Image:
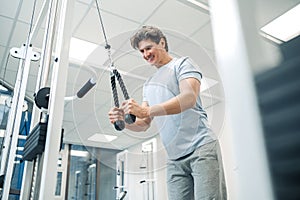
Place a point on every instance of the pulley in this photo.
(41, 98)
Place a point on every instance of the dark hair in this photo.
(148, 32)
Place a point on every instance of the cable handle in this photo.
(119, 124)
(129, 118)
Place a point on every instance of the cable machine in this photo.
(41, 160)
(41, 165)
(41, 150)
(26, 55)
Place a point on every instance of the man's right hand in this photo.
(115, 114)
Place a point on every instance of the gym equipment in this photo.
(35, 142)
(129, 118)
(122, 194)
(41, 98)
(86, 88)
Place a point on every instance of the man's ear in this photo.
(163, 43)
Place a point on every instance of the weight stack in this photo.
(278, 92)
(35, 142)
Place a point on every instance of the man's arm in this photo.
(189, 91)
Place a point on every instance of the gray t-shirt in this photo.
(181, 133)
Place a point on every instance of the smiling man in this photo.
(171, 99)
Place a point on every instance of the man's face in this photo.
(153, 53)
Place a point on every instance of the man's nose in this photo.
(146, 53)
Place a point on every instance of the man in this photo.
(171, 99)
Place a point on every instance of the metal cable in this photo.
(107, 46)
(101, 23)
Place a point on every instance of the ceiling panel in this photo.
(190, 18)
(19, 39)
(90, 28)
(129, 9)
(27, 10)
(37, 42)
(2, 56)
(9, 8)
(204, 37)
(10, 77)
(6, 25)
(12, 65)
(81, 10)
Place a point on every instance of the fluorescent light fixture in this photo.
(102, 138)
(78, 153)
(286, 26)
(200, 4)
(81, 49)
(270, 37)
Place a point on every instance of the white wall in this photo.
(135, 174)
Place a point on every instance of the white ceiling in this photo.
(188, 30)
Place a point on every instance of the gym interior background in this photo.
(50, 50)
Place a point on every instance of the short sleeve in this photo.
(187, 70)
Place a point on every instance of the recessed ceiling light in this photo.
(79, 153)
(199, 4)
(102, 138)
(286, 26)
(81, 49)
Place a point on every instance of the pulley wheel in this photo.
(41, 98)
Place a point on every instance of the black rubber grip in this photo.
(130, 118)
(86, 88)
(119, 125)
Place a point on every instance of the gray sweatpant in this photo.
(198, 176)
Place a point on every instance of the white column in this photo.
(47, 43)
(238, 51)
(56, 102)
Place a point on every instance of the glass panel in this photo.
(92, 174)
(58, 184)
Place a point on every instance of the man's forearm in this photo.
(175, 105)
(140, 125)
